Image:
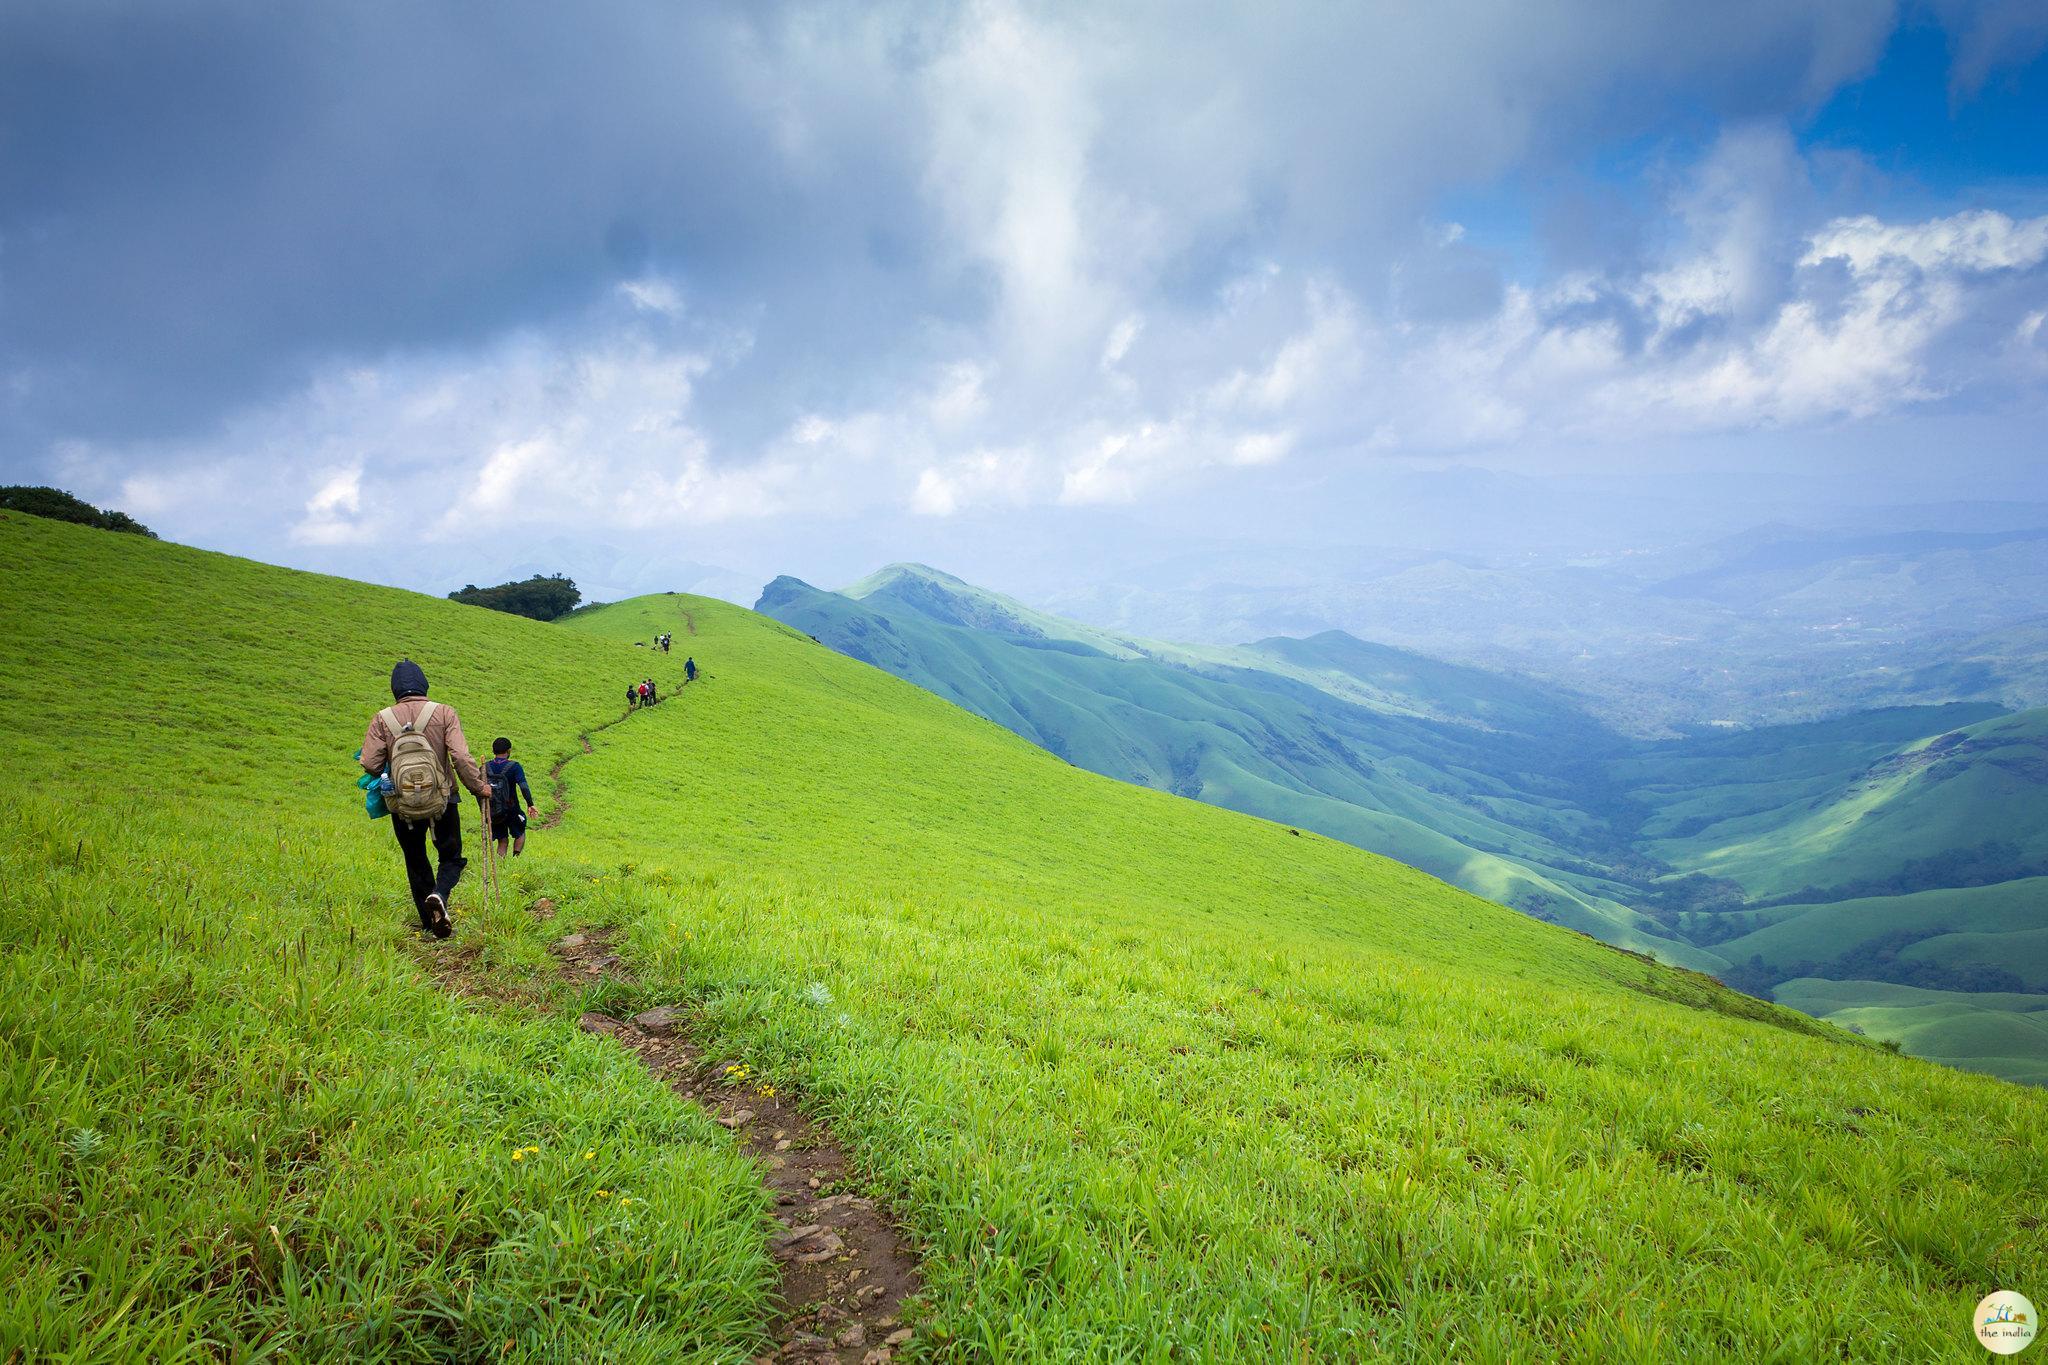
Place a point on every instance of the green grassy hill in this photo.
(1145, 1078)
(1985, 1031)
(1920, 795)
(1976, 923)
(1673, 848)
(1386, 750)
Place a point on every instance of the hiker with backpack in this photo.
(632, 695)
(508, 779)
(418, 744)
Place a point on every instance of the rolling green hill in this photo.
(1390, 751)
(1144, 1078)
(1676, 848)
(1936, 807)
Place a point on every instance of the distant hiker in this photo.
(690, 670)
(653, 693)
(632, 694)
(644, 698)
(508, 780)
(419, 744)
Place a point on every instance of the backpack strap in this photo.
(397, 727)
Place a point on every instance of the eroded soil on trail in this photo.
(846, 1270)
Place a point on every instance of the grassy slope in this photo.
(237, 1115)
(1279, 730)
(1981, 920)
(1142, 1073)
(1140, 1069)
(1836, 803)
(1490, 783)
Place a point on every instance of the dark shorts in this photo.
(511, 826)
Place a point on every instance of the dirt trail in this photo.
(558, 785)
(845, 1269)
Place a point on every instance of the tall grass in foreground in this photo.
(239, 1125)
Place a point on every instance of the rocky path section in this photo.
(845, 1268)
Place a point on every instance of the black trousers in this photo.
(412, 840)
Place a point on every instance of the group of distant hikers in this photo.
(416, 763)
(645, 693)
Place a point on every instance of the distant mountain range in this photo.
(1772, 625)
(1888, 868)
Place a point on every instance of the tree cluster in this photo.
(542, 599)
(58, 505)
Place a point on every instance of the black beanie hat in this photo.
(407, 681)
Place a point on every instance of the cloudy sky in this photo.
(435, 292)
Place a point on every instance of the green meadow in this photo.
(1903, 846)
(1145, 1079)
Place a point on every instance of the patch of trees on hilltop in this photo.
(541, 599)
(40, 501)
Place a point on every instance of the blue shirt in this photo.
(496, 769)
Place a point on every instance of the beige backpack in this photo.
(419, 771)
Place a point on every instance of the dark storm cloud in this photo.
(197, 200)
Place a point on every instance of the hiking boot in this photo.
(426, 920)
(437, 916)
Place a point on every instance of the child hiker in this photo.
(508, 780)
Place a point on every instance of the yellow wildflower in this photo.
(590, 1155)
(519, 1154)
(604, 1194)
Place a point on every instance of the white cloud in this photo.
(1976, 241)
(1120, 340)
(958, 397)
(981, 478)
(653, 294)
(330, 517)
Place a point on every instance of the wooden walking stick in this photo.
(483, 805)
